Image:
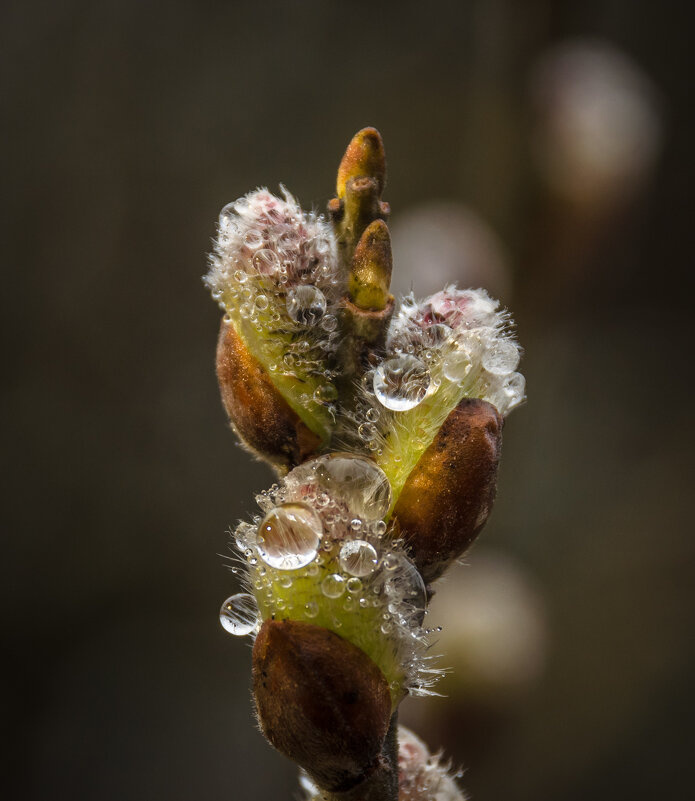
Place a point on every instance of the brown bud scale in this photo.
(321, 701)
(261, 416)
(448, 496)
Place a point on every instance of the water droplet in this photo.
(502, 358)
(266, 261)
(261, 302)
(311, 609)
(289, 536)
(366, 432)
(457, 364)
(354, 585)
(436, 335)
(239, 614)
(510, 394)
(358, 558)
(400, 383)
(326, 393)
(408, 591)
(306, 304)
(329, 323)
(253, 239)
(333, 586)
(372, 415)
(228, 213)
(356, 524)
(353, 480)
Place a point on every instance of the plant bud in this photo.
(422, 776)
(447, 498)
(321, 701)
(370, 276)
(364, 157)
(260, 415)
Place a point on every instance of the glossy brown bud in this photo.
(448, 496)
(321, 701)
(262, 418)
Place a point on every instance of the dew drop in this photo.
(407, 589)
(372, 415)
(354, 585)
(311, 609)
(436, 335)
(358, 558)
(333, 586)
(400, 383)
(289, 536)
(253, 239)
(502, 358)
(355, 481)
(306, 304)
(329, 323)
(510, 394)
(457, 364)
(325, 393)
(239, 614)
(366, 432)
(266, 261)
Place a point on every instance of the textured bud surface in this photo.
(259, 413)
(321, 701)
(324, 555)
(453, 484)
(274, 273)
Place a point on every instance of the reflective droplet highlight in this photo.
(401, 383)
(457, 364)
(358, 557)
(502, 358)
(355, 481)
(306, 304)
(333, 586)
(239, 614)
(289, 536)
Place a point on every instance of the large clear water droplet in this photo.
(358, 557)
(457, 364)
(501, 358)
(239, 614)
(356, 481)
(306, 304)
(400, 383)
(289, 536)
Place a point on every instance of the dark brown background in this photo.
(127, 125)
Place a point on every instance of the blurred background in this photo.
(539, 149)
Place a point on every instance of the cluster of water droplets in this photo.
(274, 273)
(320, 551)
(452, 345)
(456, 337)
